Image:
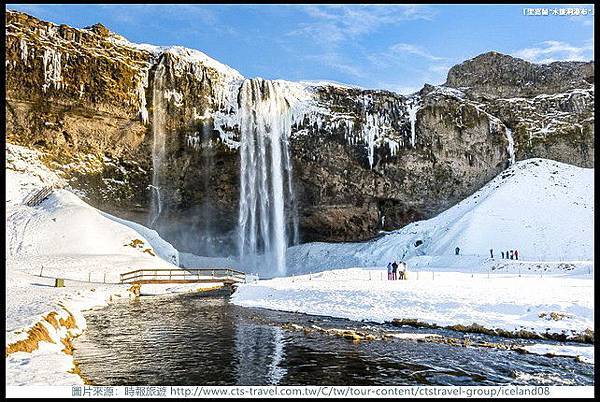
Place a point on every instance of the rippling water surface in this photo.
(199, 340)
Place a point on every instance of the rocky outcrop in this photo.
(363, 160)
(494, 75)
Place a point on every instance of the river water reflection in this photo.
(195, 340)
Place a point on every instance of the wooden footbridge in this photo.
(227, 276)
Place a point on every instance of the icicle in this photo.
(52, 69)
(412, 110)
(141, 94)
(511, 146)
(23, 46)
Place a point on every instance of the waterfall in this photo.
(265, 126)
(158, 146)
(510, 148)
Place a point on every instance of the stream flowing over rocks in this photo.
(224, 165)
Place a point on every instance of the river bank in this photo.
(551, 307)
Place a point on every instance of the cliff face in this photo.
(115, 117)
(494, 75)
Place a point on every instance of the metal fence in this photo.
(187, 275)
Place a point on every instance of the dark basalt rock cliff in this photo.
(363, 160)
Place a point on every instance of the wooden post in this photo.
(41, 270)
(105, 277)
(90, 276)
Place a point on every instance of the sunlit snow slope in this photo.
(542, 208)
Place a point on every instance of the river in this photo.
(205, 340)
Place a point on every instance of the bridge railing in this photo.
(184, 274)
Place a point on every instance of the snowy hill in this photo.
(542, 208)
(67, 236)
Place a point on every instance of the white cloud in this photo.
(399, 49)
(400, 54)
(553, 50)
(333, 24)
(337, 62)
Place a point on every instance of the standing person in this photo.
(394, 269)
(403, 270)
(507, 254)
(491, 253)
(512, 254)
(389, 267)
(502, 254)
(456, 250)
(516, 254)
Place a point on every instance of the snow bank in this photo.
(542, 208)
(582, 353)
(549, 305)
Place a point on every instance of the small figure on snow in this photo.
(516, 254)
(491, 253)
(389, 267)
(394, 270)
(502, 254)
(402, 270)
(512, 254)
(456, 250)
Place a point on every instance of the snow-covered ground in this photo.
(66, 238)
(503, 301)
(542, 208)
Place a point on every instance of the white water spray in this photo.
(265, 126)
(158, 146)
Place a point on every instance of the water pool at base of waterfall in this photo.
(206, 340)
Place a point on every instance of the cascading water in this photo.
(206, 226)
(265, 126)
(158, 146)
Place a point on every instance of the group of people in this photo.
(513, 255)
(396, 270)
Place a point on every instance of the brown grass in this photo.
(149, 251)
(35, 335)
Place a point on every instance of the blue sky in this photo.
(396, 47)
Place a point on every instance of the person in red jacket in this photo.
(516, 254)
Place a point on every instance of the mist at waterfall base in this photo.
(267, 221)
